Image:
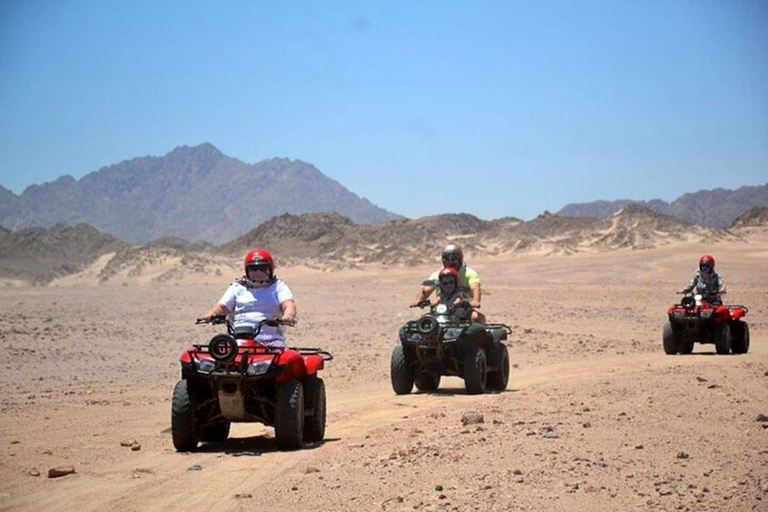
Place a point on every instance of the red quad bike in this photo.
(696, 320)
(235, 378)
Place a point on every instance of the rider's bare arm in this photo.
(217, 310)
(289, 311)
(424, 292)
(476, 294)
(690, 286)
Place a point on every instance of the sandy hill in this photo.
(756, 217)
(154, 264)
(39, 255)
(329, 241)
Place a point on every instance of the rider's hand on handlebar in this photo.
(414, 304)
(474, 304)
(288, 320)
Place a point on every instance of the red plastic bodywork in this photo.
(737, 312)
(295, 365)
(719, 313)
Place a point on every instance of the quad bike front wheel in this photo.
(400, 372)
(723, 339)
(289, 415)
(669, 339)
(314, 426)
(498, 379)
(427, 381)
(183, 418)
(475, 371)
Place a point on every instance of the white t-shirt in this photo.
(252, 305)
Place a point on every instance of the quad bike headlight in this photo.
(204, 365)
(427, 326)
(258, 368)
(415, 337)
(452, 333)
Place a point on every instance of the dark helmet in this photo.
(453, 256)
(447, 274)
(707, 263)
(260, 259)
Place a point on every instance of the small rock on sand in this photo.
(60, 471)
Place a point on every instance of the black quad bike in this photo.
(445, 342)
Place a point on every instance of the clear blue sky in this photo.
(493, 108)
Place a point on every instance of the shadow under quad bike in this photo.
(235, 378)
(445, 342)
(696, 320)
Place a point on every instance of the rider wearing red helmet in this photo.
(707, 282)
(256, 296)
(448, 289)
(469, 281)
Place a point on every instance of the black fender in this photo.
(474, 336)
(497, 334)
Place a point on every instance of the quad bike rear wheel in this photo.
(740, 338)
(669, 339)
(216, 433)
(723, 339)
(427, 381)
(289, 415)
(475, 371)
(498, 379)
(314, 426)
(400, 373)
(183, 418)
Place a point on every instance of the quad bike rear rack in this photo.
(499, 326)
(327, 356)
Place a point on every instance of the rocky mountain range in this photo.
(329, 241)
(196, 193)
(715, 208)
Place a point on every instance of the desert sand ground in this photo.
(596, 417)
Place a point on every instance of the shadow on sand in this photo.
(253, 446)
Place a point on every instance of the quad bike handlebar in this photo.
(215, 320)
(222, 319)
(426, 303)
